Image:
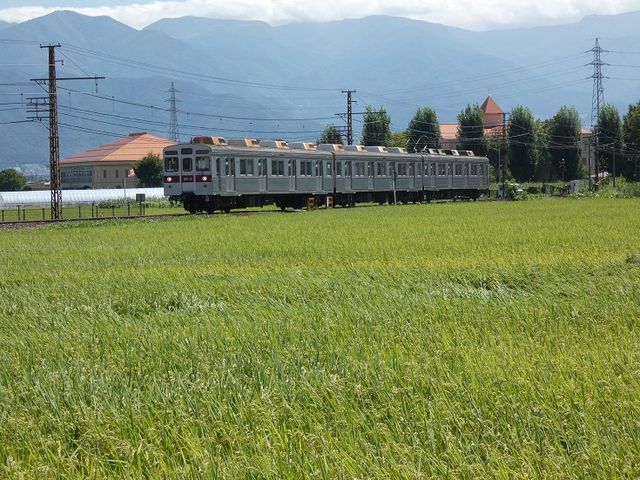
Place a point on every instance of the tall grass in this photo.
(460, 340)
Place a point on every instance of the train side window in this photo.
(318, 168)
(433, 169)
(305, 168)
(246, 167)
(328, 170)
(474, 170)
(187, 164)
(466, 169)
(203, 164)
(291, 168)
(402, 169)
(171, 164)
(277, 168)
(381, 169)
(442, 169)
(339, 169)
(458, 169)
(449, 169)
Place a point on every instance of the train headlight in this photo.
(204, 179)
(169, 179)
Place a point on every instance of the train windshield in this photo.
(203, 164)
(171, 164)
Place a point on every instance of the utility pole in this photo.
(614, 164)
(54, 137)
(174, 133)
(597, 100)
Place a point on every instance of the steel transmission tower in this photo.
(597, 101)
(174, 133)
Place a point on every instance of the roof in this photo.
(490, 107)
(448, 131)
(133, 147)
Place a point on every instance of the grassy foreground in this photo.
(459, 340)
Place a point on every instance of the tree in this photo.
(522, 144)
(471, 130)
(630, 166)
(149, 171)
(330, 134)
(11, 180)
(398, 139)
(497, 147)
(544, 166)
(376, 129)
(564, 143)
(611, 137)
(423, 131)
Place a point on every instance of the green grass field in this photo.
(448, 340)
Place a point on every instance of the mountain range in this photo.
(247, 78)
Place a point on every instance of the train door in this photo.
(319, 175)
(262, 175)
(348, 173)
(370, 166)
(188, 179)
(412, 175)
(218, 173)
(291, 171)
(229, 175)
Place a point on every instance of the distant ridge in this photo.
(250, 79)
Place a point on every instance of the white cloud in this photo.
(470, 14)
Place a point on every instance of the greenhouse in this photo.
(40, 198)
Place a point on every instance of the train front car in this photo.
(187, 176)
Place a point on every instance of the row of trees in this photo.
(525, 148)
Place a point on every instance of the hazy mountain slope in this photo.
(239, 78)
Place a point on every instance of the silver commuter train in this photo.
(210, 174)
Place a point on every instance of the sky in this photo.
(468, 14)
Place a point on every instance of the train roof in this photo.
(282, 148)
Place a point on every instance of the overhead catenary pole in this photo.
(54, 137)
(349, 115)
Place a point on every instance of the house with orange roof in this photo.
(494, 121)
(110, 165)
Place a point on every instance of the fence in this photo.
(25, 213)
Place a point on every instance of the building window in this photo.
(104, 174)
(117, 173)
